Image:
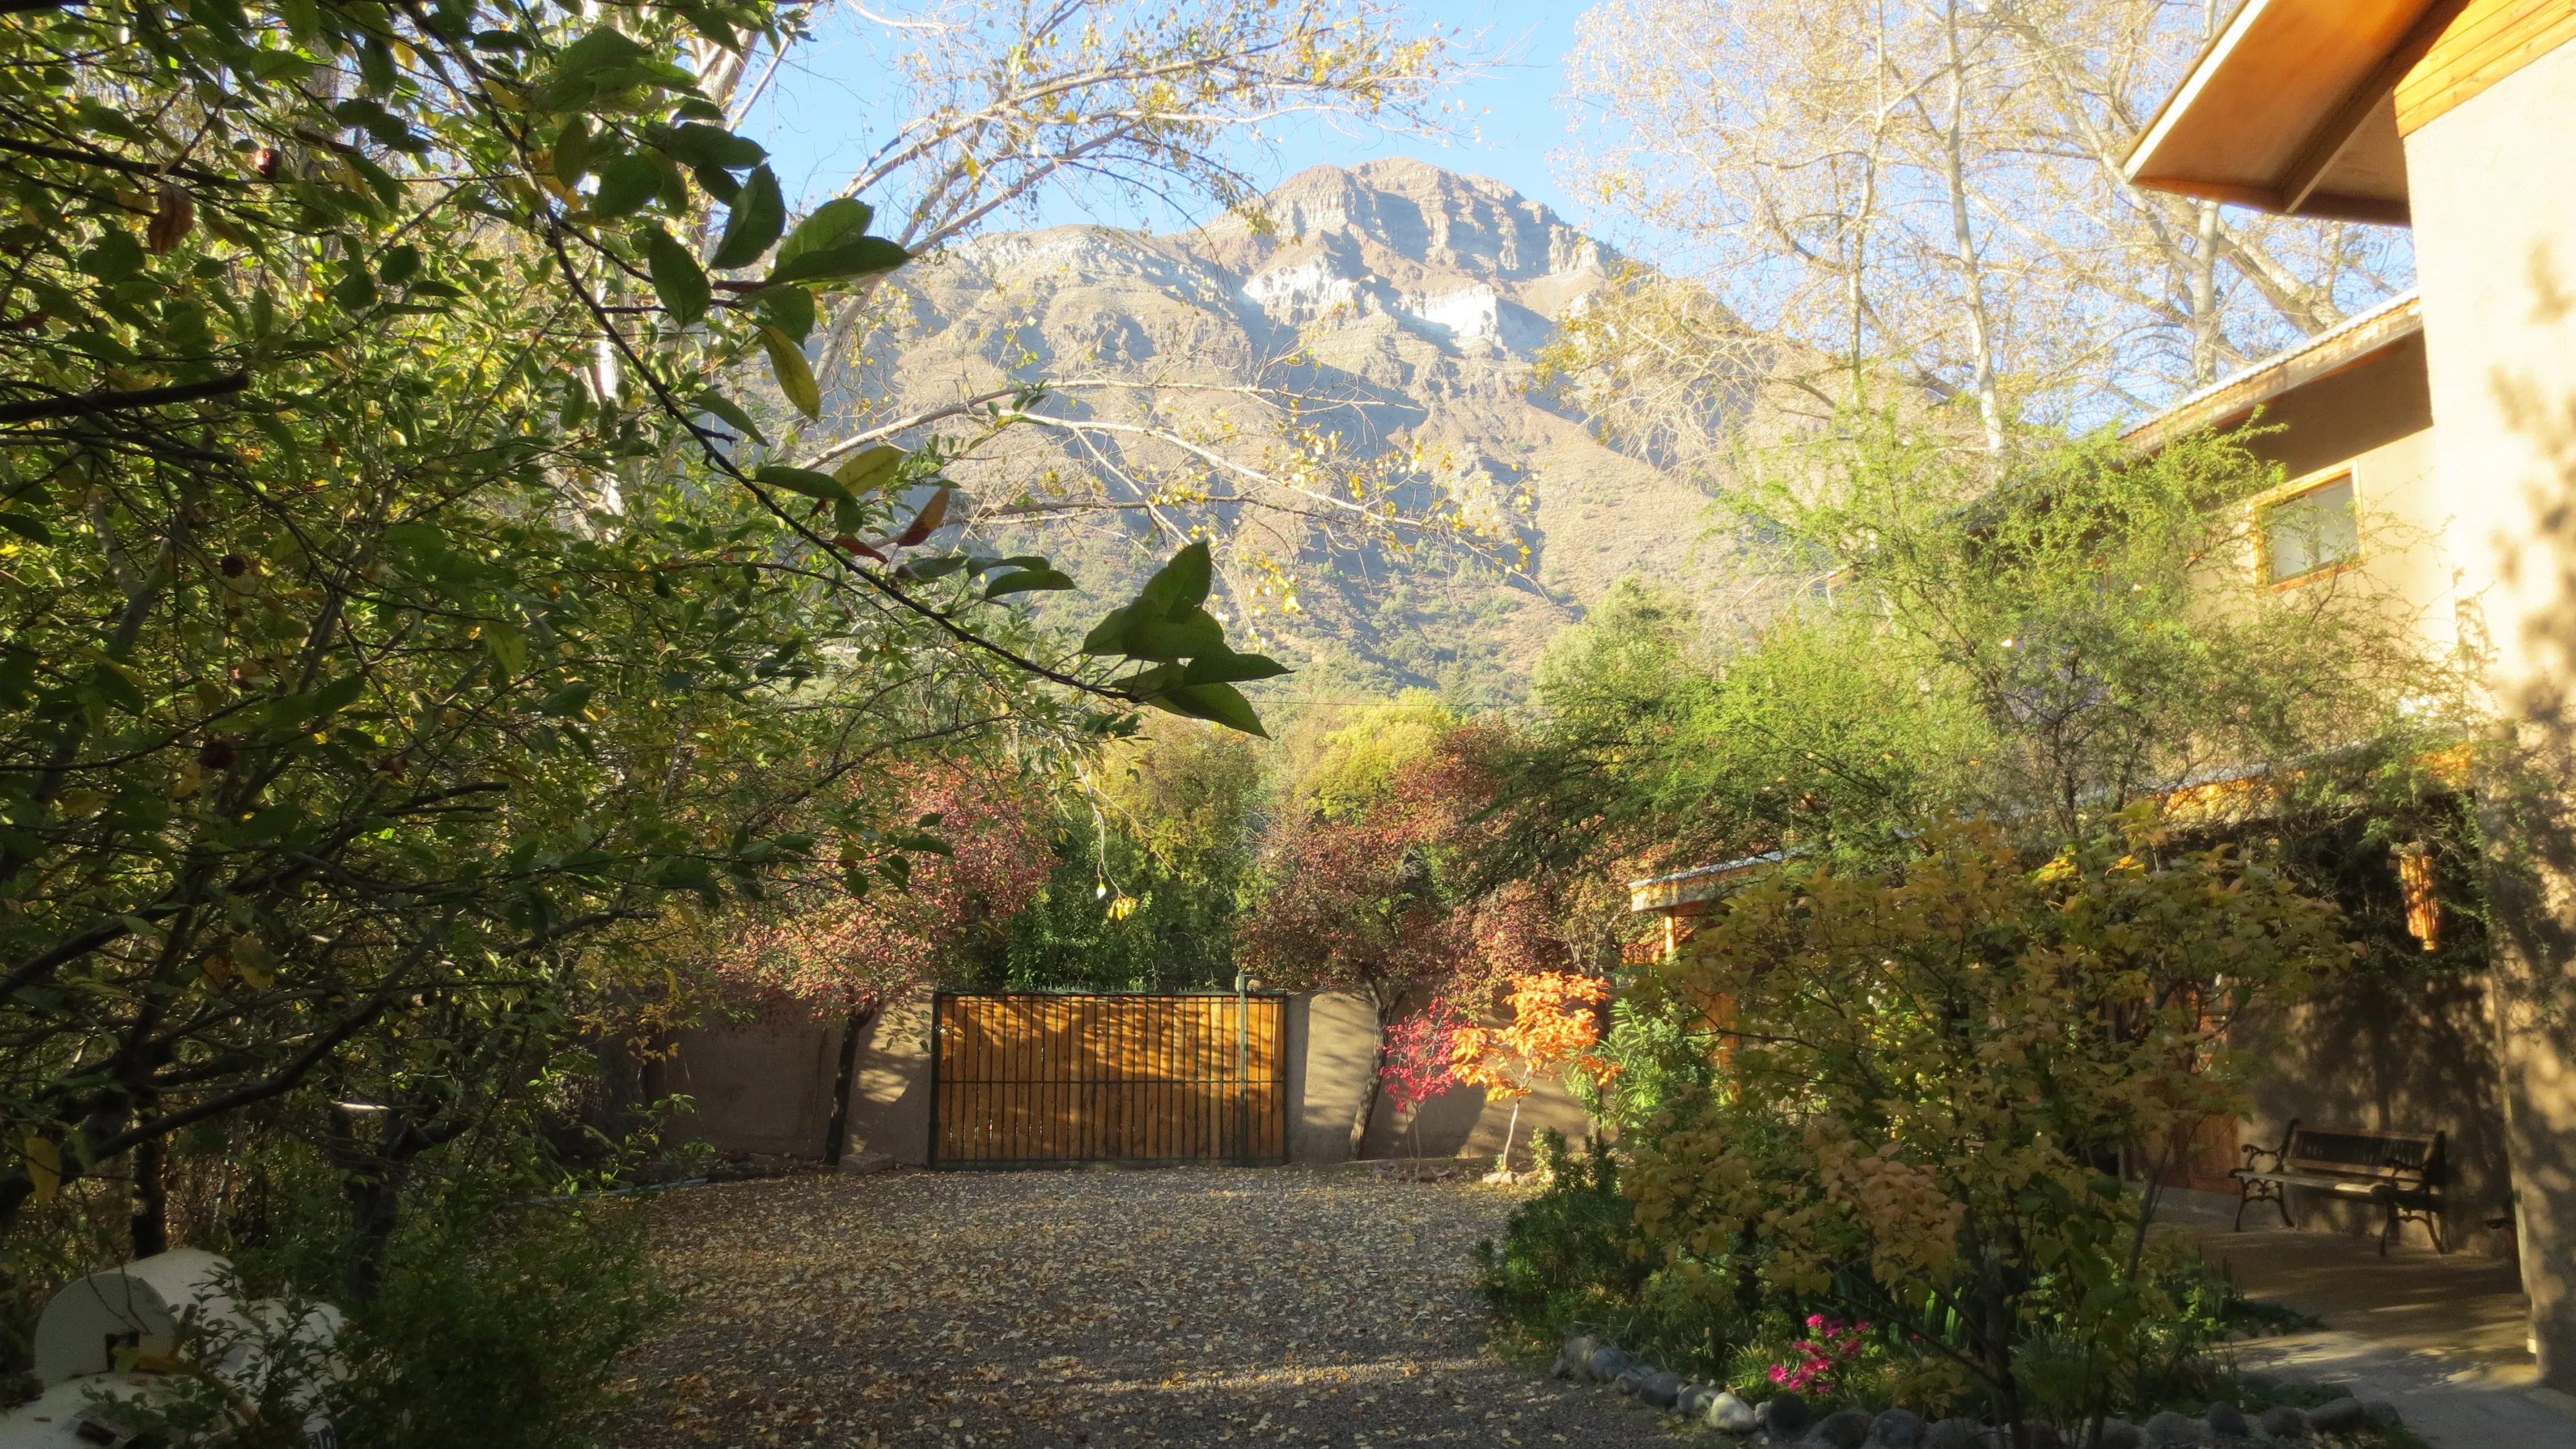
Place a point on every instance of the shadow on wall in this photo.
(762, 1087)
(2410, 1056)
(2530, 809)
(890, 1100)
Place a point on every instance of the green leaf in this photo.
(1145, 683)
(17, 676)
(731, 413)
(355, 292)
(677, 278)
(803, 480)
(625, 184)
(934, 568)
(703, 146)
(1160, 640)
(1105, 636)
(1231, 668)
(606, 46)
(116, 689)
(1026, 580)
(1179, 586)
(1221, 703)
(834, 223)
(866, 257)
(334, 697)
(508, 647)
(752, 223)
(870, 468)
(1171, 596)
(789, 309)
(719, 183)
(572, 699)
(31, 529)
(795, 378)
(573, 151)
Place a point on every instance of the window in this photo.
(2310, 531)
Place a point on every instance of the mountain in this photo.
(1385, 321)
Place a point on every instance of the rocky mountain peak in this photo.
(1417, 213)
(1415, 295)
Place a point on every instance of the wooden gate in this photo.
(1028, 1078)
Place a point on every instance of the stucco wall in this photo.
(890, 1101)
(2400, 1057)
(767, 1087)
(2374, 420)
(2493, 188)
(1332, 1044)
(763, 1086)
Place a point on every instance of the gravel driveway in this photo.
(1111, 1309)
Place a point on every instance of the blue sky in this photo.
(824, 116)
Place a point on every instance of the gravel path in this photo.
(1110, 1309)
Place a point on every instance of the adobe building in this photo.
(2452, 117)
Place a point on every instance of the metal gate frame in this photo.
(1241, 1081)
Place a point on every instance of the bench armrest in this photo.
(2256, 1157)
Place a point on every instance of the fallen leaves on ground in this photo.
(1107, 1309)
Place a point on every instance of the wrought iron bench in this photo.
(2402, 1171)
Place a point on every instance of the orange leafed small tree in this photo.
(1554, 1025)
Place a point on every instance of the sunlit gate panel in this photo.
(1028, 1078)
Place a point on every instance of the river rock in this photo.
(1574, 1361)
(1732, 1415)
(2170, 1430)
(1606, 1363)
(2121, 1434)
(2225, 1418)
(1896, 1429)
(2337, 1415)
(1841, 1429)
(1954, 1434)
(1785, 1417)
(2383, 1413)
(2039, 1436)
(1663, 1388)
(2283, 1422)
(1630, 1379)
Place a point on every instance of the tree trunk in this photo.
(375, 1210)
(836, 1136)
(151, 1225)
(1369, 1091)
(1503, 1163)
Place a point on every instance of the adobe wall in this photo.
(766, 1088)
(1332, 1046)
(2493, 194)
(890, 1101)
(2411, 1057)
(758, 1087)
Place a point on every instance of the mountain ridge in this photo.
(1393, 311)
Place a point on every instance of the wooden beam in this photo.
(2327, 143)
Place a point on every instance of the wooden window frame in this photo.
(2297, 488)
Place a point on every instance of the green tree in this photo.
(398, 606)
(1154, 863)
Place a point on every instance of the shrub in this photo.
(1922, 1082)
(496, 1326)
(1571, 1261)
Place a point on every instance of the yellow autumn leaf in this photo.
(44, 1167)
